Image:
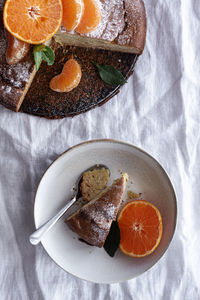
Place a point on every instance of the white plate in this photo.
(55, 188)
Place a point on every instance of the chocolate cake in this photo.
(92, 222)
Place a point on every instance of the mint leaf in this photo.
(42, 52)
(110, 74)
(113, 239)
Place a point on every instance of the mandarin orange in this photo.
(68, 79)
(33, 21)
(72, 13)
(140, 226)
(91, 16)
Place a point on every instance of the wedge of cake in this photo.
(16, 79)
(92, 222)
(122, 28)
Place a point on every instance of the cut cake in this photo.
(123, 29)
(92, 222)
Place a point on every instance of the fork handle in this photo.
(36, 236)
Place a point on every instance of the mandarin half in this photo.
(140, 226)
(33, 21)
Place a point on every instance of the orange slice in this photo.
(33, 21)
(91, 16)
(68, 79)
(140, 225)
(72, 13)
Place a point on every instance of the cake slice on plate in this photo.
(92, 222)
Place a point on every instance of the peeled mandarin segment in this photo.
(68, 79)
(140, 226)
(91, 17)
(72, 13)
(16, 50)
(33, 21)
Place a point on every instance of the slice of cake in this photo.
(122, 28)
(92, 222)
(16, 79)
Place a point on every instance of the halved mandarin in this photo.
(140, 225)
(72, 13)
(33, 21)
(68, 79)
(91, 16)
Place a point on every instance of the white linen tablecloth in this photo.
(158, 110)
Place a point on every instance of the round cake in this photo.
(23, 89)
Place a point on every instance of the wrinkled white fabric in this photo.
(158, 110)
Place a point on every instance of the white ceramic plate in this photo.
(55, 188)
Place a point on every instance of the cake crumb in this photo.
(132, 195)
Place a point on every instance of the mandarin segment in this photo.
(72, 13)
(68, 79)
(16, 49)
(140, 226)
(33, 21)
(91, 17)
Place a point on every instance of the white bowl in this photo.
(55, 188)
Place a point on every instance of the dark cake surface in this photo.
(92, 91)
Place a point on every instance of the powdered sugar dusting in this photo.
(92, 222)
(13, 78)
(99, 234)
(20, 73)
(112, 22)
(5, 90)
(123, 22)
(133, 24)
(101, 216)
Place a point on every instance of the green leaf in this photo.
(113, 239)
(48, 55)
(42, 52)
(38, 59)
(38, 48)
(110, 74)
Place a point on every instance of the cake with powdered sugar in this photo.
(122, 29)
(92, 222)
(15, 79)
